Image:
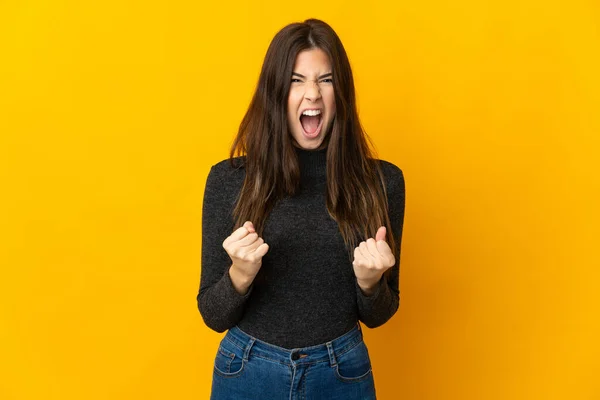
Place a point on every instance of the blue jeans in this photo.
(248, 369)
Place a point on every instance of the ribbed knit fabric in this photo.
(305, 292)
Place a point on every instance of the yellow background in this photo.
(111, 114)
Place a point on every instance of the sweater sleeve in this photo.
(382, 304)
(220, 305)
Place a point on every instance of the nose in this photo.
(313, 91)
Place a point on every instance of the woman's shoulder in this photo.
(394, 180)
(391, 171)
(229, 166)
(227, 173)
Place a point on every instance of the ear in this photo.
(380, 234)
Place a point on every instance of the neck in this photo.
(312, 162)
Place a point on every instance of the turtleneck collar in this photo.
(312, 162)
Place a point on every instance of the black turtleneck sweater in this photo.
(305, 292)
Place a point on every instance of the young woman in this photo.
(301, 233)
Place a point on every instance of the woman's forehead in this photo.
(312, 60)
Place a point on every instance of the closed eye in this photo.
(327, 80)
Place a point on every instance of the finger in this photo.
(261, 250)
(380, 233)
(248, 225)
(359, 258)
(386, 251)
(247, 240)
(253, 246)
(372, 248)
(238, 234)
(365, 251)
(357, 253)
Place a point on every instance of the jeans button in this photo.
(295, 356)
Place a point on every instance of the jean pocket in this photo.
(354, 365)
(229, 360)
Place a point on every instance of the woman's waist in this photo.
(297, 349)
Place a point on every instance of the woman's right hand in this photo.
(246, 250)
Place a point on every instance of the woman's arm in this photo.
(220, 304)
(377, 307)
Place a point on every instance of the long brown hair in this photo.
(356, 192)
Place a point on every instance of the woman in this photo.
(295, 245)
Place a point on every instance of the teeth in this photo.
(311, 113)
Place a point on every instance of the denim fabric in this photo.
(249, 369)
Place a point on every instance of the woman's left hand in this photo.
(371, 259)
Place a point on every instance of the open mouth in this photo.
(311, 125)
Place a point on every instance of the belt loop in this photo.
(332, 359)
(248, 347)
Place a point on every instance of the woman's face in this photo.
(311, 90)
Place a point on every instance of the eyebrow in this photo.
(322, 76)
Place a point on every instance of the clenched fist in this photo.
(371, 259)
(246, 250)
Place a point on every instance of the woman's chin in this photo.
(308, 144)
